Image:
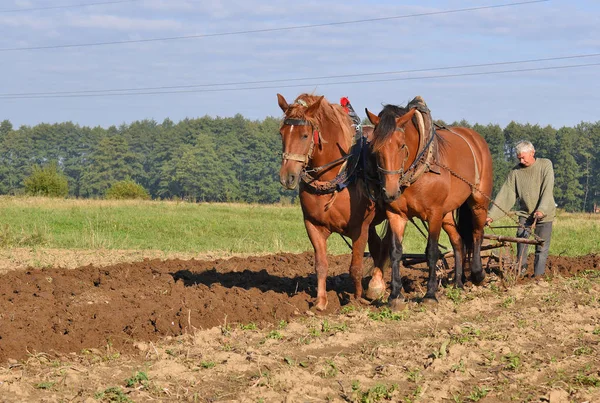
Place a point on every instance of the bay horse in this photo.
(319, 156)
(429, 173)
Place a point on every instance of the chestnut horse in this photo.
(320, 157)
(429, 173)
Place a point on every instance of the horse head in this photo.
(395, 142)
(298, 136)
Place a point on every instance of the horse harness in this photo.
(425, 159)
(350, 161)
(304, 158)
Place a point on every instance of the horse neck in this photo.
(333, 144)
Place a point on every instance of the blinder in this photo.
(314, 140)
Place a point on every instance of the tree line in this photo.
(237, 160)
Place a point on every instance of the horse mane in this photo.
(387, 126)
(327, 112)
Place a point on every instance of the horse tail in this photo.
(466, 225)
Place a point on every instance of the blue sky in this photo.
(359, 51)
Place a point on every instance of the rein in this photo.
(346, 175)
(405, 179)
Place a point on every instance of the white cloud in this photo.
(112, 22)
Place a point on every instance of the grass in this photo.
(204, 227)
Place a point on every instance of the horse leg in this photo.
(397, 225)
(318, 237)
(479, 217)
(449, 226)
(432, 253)
(356, 264)
(376, 287)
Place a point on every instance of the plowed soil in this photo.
(52, 314)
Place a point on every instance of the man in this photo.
(532, 183)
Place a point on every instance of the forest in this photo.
(234, 159)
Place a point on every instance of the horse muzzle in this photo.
(289, 174)
(289, 181)
(390, 196)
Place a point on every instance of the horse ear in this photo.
(282, 103)
(313, 107)
(401, 121)
(372, 117)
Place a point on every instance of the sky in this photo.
(103, 63)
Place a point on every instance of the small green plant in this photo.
(288, 361)
(127, 190)
(347, 309)
(414, 375)
(580, 283)
(139, 378)
(314, 332)
(113, 394)
(508, 302)
(327, 327)
(583, 350)
(552, 299)
(249, 326)
(413, 396)
(282, 324)
(275, 335)
(596, 331)
(490, 357)
(455, 295)
(587, 380)
(512, 361)
(457, 398)
(226, 329)
(478, 393)
(207, 364)
(375, 394)
(460, 367)
(494, 288)
(387, 314)
(467, 334)
(330, 370)
(45, 385)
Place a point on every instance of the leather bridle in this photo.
(304, 158)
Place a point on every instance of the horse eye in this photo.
(305, 136)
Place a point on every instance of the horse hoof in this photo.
(374, 293)
(364, 301)
(430, 301)
(478, 277)
(398, 304)
(321, 306)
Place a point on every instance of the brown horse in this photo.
(320, 157)
(429, 174)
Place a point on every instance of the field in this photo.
(150, 301)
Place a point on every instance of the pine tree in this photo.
(568, 191)
(110, 161)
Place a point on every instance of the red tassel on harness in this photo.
(344, 102)
(316, 136)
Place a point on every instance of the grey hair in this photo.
(524, 146)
